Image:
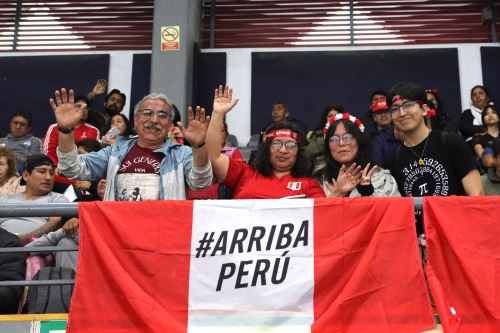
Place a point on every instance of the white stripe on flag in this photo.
(252, 266)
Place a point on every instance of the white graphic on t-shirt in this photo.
(294, 186)
(430, 178)
(423, 189)
(137, 187)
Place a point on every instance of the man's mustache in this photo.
(151, 125)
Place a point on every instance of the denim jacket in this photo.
(176, 168)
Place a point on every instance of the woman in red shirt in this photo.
(281, 168)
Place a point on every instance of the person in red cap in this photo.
(381, 114)
(281, 167)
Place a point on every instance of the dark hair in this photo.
(479, 86)
(378, 92)
(408, 90)
(278, 102)
(89, 145)
(11, 161)
(129, 130)
(85, 99)
(24, 114)
(116, 91)
(322, 121)
(483, 115)
(176, 115)
(262, 163)
(363, 157)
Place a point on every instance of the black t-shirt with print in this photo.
(447, 159)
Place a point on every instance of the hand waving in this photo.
(197, 126)
(223, 99)
(67, 115)
(99, 88)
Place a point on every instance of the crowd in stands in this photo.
(406, 145)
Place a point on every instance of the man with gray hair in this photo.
(159, 168)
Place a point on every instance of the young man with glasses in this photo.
(151, 163)
(20, 139)
(429, 163)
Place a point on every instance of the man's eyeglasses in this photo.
(346, 138)
(407, 106)
(148, 113)
(19, 123)
(289, 145)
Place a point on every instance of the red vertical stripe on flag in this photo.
(463, 246)
(133, 269)
(368, 272)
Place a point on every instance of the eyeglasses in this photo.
(19, 123)
(148, 113)
(346, 138)
(407, 106)
(289, 145)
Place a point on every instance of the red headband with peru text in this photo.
(282, 133)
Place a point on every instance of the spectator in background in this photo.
(470, 121)
(485, 139)
(316, 139)
(152, 163)
(20, 139)
(39, 178)
(384, 142)
(441, 119)
(281, 168)
(113, 104)
(9, 181)
(491, 179)
(82, 131)
(349, 149)
(123, 128)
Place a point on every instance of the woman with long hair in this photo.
(491, 130)
(9, 180)
(470, 121)
(281, 167)
(349, 165)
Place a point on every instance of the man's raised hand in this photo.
(67, 115)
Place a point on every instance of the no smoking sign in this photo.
(170, 38)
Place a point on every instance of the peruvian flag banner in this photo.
(304, 265)
(463, 247)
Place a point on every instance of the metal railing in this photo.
(29, 210)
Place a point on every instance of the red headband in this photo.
(398, 98)
(282, 133)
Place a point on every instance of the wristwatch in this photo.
(64, 130)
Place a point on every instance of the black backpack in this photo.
(53, 298)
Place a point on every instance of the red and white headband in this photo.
(345, 116)
(282, 133)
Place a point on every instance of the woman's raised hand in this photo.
(223, 99)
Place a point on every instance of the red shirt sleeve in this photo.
(50, 143)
